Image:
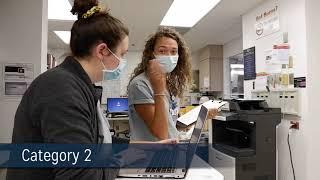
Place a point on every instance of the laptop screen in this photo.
(196, 134)
(117, 105)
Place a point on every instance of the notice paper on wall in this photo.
(279, 54)
(261, 83)
(16, 78)
(267, 22)
(272, 65)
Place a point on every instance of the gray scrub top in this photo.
(140, 92)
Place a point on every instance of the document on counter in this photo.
(191, 116)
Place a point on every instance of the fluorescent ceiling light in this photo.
(233, 72)
(186, 13)
(236, 66)
(64, 36)
(60, 10)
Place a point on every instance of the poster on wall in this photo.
(271, 68)
(279, 54)
(249, 61)
(267, 22)
(16, 78)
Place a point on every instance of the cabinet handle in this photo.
(218, 158)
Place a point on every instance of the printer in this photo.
(243, 140)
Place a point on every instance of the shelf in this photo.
(275, 90)
(118, 119)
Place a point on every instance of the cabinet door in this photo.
(204, 75)
(223, 163)
(204, 54)
(216, 74)
(211, 51)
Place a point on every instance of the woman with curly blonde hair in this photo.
(163, 75)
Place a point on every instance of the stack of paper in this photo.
(192, 116)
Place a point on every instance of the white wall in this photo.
(133, 59)
(231, 48)
(292, 20)
(44, 35)
(312, 123)
(23, 39)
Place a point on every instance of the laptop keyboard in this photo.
(163, 162)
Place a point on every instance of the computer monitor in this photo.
(117, 105)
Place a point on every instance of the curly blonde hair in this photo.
(178, 79)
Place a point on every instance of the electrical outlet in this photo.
(294, 125)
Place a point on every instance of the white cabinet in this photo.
(223, 163)
(211, 51)
(204, 75)
(216, 72)
(211, 68)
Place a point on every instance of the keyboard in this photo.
(163, 162)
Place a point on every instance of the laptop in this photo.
(171, 171)
(117, 106)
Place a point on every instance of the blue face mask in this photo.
(168, 62)
(114, 73)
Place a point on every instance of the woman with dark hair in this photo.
(60, 106)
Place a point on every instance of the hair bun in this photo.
(80, 7)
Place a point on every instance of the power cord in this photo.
(288, 140)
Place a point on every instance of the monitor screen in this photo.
(117, 105)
